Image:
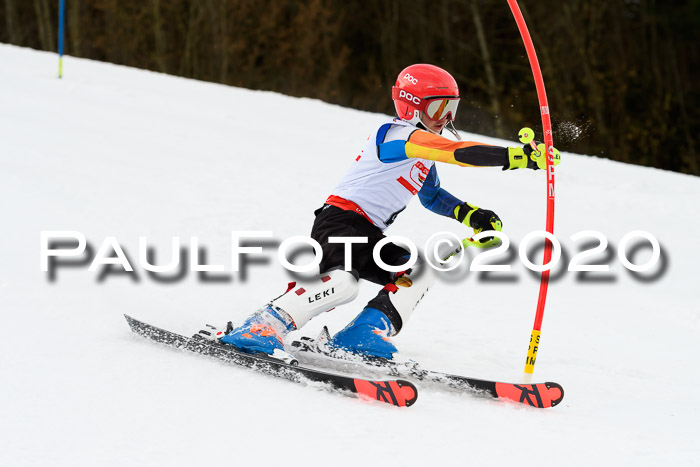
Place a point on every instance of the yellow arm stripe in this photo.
(424, 145)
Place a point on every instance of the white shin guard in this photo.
(398, 300)
(308, 299)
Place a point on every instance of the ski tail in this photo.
(396, 392)
(541, 395)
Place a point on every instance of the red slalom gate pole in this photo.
(549, 145)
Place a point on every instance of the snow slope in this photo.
(113, 151)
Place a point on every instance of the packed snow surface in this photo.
(110, 151)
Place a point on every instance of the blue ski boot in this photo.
(263, 332)
(366, 335)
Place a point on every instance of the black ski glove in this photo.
(478, 219)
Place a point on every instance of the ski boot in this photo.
(367, 335)
(263, 333)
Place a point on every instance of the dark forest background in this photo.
(620, 74)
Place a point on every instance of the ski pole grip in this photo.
(527, 136)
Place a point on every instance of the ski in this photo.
(541, 395)
(394, 391)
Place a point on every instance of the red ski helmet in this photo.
(428, 89)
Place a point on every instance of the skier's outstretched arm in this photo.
(425, 145)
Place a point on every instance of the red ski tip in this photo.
(536, 395)
(399, 392)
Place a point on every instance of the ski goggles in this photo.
(434, 107)
(439, 107)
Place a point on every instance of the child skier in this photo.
(397, 163)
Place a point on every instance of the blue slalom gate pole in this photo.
(61, 21)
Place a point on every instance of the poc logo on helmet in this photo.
(410, 97)
(410, 78)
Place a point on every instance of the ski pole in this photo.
(527, 136)
(469, 241)
(549, 145)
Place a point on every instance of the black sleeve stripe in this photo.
(482, 156)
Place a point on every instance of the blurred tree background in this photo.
(620, 74)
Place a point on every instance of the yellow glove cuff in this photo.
(468, 217)
(516, 158)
